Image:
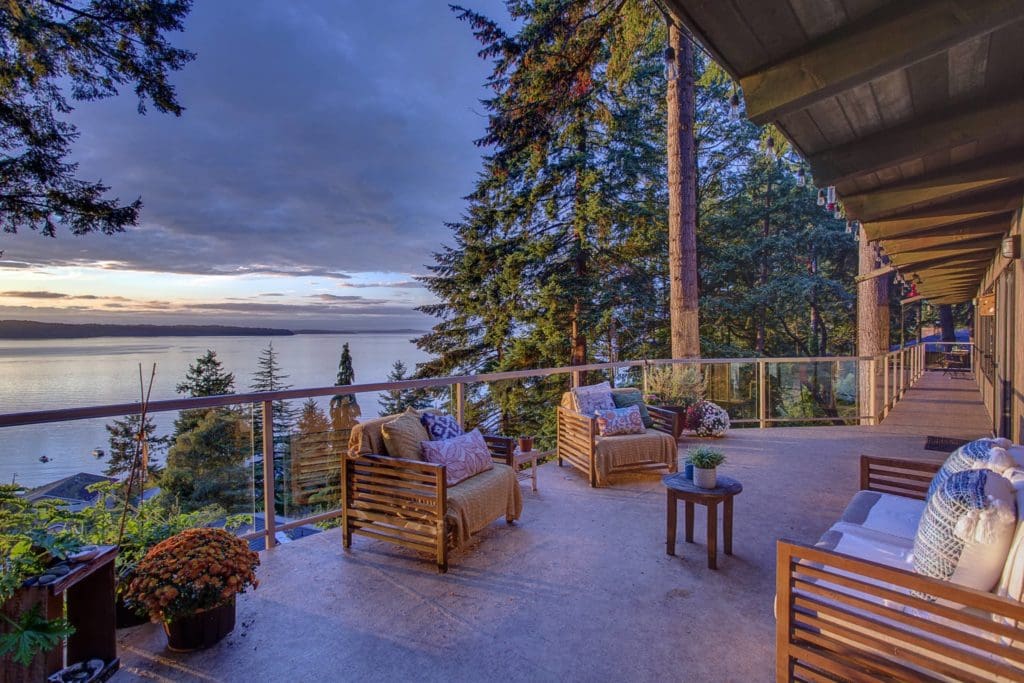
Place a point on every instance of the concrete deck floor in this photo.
(580, 589)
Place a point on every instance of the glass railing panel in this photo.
(809, 392)
(733, 386)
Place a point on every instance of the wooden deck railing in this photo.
(896, 371)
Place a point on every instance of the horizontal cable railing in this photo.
(295, 473)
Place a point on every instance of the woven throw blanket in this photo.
(632, 449)
(476, 502)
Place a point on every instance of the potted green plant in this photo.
(705, 462)
(34, 540)
(189, 583)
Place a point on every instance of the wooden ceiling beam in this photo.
(948, 235)
(918, 138)
(907, 258)
(890, 39)
(1002, 200)
(956, 183)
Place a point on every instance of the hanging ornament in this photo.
(831, 194)
(671, 69)
(849, 227)
(830, 207)
(837, 213)
(821, 197)
(734, 106)
(801, 177)
(770, 145)
(856, 235)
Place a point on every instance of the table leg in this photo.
(670, 538)
(727, 524)
(712, 535)
(533, 472)
(688, 521)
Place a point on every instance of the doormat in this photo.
(944, 444)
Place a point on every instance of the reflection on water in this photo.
(50, 374)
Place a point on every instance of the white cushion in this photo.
(966, 530)
(886, 513)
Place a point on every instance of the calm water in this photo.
(51, 374)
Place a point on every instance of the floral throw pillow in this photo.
(620, 421)
(463, 456)
(441, 427)
(590, 399)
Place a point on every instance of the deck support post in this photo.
(269, 521)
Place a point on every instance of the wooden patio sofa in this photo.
(408, 502)
(840, 618)
(599, 457)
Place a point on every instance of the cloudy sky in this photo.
(323, 146)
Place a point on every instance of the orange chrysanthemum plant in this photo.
(196, 570)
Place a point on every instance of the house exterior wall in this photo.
(1005, 394)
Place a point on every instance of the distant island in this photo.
(28, 329)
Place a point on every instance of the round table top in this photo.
(727, 486)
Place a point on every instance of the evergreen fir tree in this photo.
(123, 437)
(270, 377)
(205, 377)
(399, 400)
(344, 407)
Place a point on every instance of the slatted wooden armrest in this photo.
(396, 500)
(908, 478)
(843, 618)
(665, 420)
(502, 448)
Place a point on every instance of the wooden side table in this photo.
(679, 488)
(520, 458)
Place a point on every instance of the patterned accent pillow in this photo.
(624, 398)
(463, 455)
(988, 454)
(620, 421)
(402, 435)
(966, 529)
(594, 397)
(441, 427)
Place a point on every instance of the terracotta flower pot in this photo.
(525, 444)
(202, 629)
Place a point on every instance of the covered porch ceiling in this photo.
(913, 110)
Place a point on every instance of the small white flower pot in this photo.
(705, 479)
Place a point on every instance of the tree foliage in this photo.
(398, 400)
(561, 254)
(55, 52)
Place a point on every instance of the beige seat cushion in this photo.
(476, 502)
(367, 437)
(630, 449)
(403, 435)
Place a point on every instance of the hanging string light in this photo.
(821, 197)
(801, 177)
(734, 106)
(671, 69)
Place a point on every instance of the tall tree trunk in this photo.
(872, 313)
(946, 322)
(578, 354)
(682, 200)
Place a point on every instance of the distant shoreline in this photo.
(29, 329)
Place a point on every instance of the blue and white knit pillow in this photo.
(988, 454)
(966, 529)
(440, 427)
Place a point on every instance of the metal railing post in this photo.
(269, 518)
(762, 394)
(460, 403)
(885, 386)
(872, 394)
